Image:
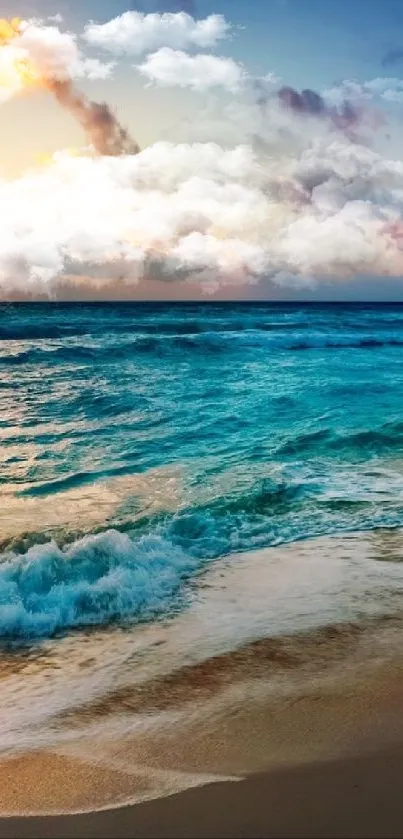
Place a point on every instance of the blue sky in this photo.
(307, 43)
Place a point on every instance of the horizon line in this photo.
(203, 302)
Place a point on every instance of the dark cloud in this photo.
(310, 103)
(99, 123)
(306, 102)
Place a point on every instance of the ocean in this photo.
(142, 446)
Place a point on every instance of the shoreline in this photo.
(244, 729)
(218, 725)
(351, 797)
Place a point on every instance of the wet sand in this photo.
(329, 762)
(295, 735)
(354, 797)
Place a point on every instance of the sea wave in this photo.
(367, 342)
(138, 571)
(37, 331)
(97, 580)
(279, 423)
(389, 436)
(203, 342)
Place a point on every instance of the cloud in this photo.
(57, 18)
(273, 185)
(56, 55)
(204, 214)
(168, 67)
(101, 126)
(135, 33)
(389, 89)
(34, 54)
(345, 115)
(135, 216)
(257, 117)
(37, 53)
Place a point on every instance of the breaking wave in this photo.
(139, 572)
(97, 580)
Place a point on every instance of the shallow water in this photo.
(141, 443)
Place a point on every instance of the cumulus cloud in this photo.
(309, 102)
(272, 183)
(169, 68)
(205, 214)
(135, 33)
(260, 118)
(53, 54)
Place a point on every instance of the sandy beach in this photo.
(354, 797)
(298, 733)
(323, 759)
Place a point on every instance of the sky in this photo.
(300, 44)
(308, 43)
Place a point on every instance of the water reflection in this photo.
(26, 520)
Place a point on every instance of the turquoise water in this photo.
(226, 427)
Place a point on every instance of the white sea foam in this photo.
(98, 579)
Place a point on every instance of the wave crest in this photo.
(99, 579)
(199, 342)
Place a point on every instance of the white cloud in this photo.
(168, 67)
(48, 54)
(388, 88)
(135, 33)
(57, 18)
(206, 214)
(56, 55)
